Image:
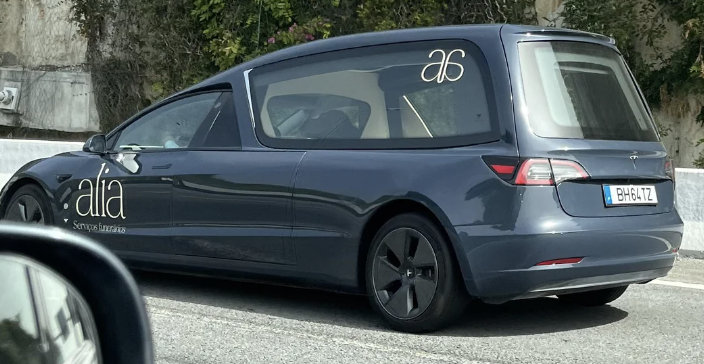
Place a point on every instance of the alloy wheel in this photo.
(405, 273)
(25, 209)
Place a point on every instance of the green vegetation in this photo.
(668, 75)
(171, 44)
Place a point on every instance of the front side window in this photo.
(170, 126)
(420, 94)
(581, 91)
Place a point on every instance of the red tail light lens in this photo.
(534, 172)
(504, 167)
(669, 169)
(544, 172)
(561, 261)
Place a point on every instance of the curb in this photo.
(692, 254)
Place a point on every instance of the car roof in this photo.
(394, 36)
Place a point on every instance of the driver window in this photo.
(170, 126)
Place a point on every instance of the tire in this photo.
(23, 202)
(414, 310)
(594, 298)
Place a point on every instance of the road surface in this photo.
(205, 321)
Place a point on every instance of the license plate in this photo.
(629, 195)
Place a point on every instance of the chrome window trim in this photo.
(249, 100)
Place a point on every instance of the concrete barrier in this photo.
(14, 153)
(690, 205)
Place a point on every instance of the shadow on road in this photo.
(526, 317)
(530, 317)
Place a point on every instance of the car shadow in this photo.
(530, 317)
(516, 318)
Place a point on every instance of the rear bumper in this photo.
(552, 280)
(595, 282)
(499, 265)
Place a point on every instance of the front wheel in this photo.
(412, 278)
(29, 204)
(594, 298)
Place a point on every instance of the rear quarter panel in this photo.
(337, 192)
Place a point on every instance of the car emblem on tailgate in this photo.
(633, 159)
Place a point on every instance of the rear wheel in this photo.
(594, 298)
(29, 204)
(412, 278)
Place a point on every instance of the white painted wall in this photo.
(690, 205)
(15, 153)
(57, 100)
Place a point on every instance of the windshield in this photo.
(583, 91)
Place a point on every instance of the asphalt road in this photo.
(203, 321)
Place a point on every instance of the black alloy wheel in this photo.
(28, 205)
(405, 273)
(412, 277)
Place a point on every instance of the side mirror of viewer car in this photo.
(66, 299)
(95, 144)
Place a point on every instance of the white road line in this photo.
(678, 284)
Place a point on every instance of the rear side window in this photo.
(412, 95)
(581, 91)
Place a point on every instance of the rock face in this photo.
(684, 131)
(42, 55)
(548, 12)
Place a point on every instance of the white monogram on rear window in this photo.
(442, 75)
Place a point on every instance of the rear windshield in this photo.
(583, 91)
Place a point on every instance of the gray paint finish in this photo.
(298, 216)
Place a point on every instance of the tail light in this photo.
(561, 261)
(535, 171)
(669, 169)
(504, 167)
(544, 172)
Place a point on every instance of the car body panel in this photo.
(606, 161)
(299, 216)
(540, 231)
(221, 196)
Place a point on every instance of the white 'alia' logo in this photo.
(442, 67)
(99, 207)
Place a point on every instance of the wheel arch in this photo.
(15, 185)
(395, 207)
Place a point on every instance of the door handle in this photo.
(165, 166)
